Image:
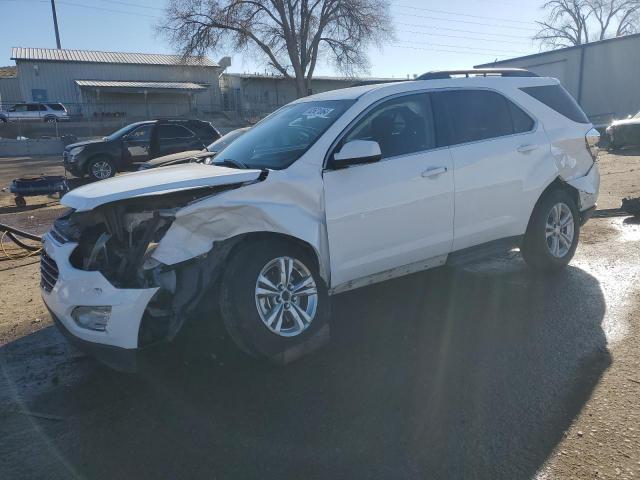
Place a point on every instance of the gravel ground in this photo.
(486, 371)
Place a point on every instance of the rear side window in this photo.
(476, 115)
(55, 106)
(558, 99)
(166, 132)
(521, 121)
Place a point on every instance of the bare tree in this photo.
(574, 22)
(291, 34)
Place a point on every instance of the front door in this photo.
(397, 212)
(135, 146)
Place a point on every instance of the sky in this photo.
(430, 35)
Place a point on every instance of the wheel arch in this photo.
(557, 184)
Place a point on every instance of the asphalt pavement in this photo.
(471, 372)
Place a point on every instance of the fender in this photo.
(279, 204)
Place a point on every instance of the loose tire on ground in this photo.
(100, 168)
(240, 302)
(546, 246)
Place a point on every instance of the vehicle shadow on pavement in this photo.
(454, 373)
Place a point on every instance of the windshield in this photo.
(637, 115)
(282, 138)
(123, 131)
(225, 140)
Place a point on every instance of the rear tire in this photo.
(50, 119)
(262, 313)
(553, 232)
(100, 168)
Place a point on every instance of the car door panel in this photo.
(385, 215)
(392, 213)
(497, 186)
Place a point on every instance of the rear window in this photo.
(558, 99)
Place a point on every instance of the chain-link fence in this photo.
(87, 120)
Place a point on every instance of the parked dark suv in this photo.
(135, 143)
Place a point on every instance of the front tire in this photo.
(553, 232)
(100, 168)
(272, 298)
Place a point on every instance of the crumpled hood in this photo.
(154, 182)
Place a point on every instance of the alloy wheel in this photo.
(559, 230)
(101, 170)
(286, 296)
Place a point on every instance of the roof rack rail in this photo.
(481, 72)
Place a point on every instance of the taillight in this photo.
(592, 140)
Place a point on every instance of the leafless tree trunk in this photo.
(290, 34)
(574, 22)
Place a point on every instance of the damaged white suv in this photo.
(329, 193)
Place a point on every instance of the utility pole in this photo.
(55, 23)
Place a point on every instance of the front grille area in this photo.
(48, 272)
(57, 235)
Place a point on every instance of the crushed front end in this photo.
(102, 286)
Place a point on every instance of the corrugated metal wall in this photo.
(58, 79)
(9, 91)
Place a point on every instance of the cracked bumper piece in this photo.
(588, 188)
(122, 359)
(65, 288)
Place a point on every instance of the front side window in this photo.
(19, 108)
(401, 126)
(140, 134)
(284, 136)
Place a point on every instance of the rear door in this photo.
(174, 139)
(499, 152)
(394, 216)
(33, 111)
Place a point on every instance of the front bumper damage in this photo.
(100, 260)
(73, 287)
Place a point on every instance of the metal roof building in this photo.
(602, 76)
(105, 84)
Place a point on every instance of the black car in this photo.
(201, 156)
(624, 133)
(135, 143)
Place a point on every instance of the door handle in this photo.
(526, 148)
(434, 171)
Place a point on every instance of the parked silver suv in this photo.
(28, 112)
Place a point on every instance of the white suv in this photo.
(329, 193)
(39, 112)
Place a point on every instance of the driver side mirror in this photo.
(357, 152)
